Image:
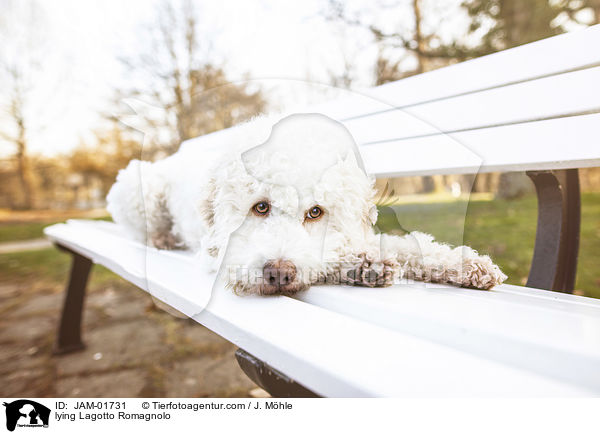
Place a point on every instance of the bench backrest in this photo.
(532, 107)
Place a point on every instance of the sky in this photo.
(283, 44)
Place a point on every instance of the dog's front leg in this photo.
(365, 269)
(420, 257)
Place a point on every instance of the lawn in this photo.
(22, 231)
(30, 225)
(49, 266)
(46, 266)
(503, 229)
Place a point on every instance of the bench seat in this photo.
(407, 340)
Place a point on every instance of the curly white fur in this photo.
(201, 199)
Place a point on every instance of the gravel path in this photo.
(22, 246)
(133, 348)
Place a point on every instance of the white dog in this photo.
(282, 206)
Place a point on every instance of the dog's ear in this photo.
(372, 215)
(367, 187)
(372, 210)
(206, 208)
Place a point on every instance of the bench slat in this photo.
(570, 142)
(557, 96)
(564, 143)
(330, 352)
(559, 337)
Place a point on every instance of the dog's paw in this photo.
(480, 273)
(367, 272)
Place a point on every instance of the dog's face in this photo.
(285, 214)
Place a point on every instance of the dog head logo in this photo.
(26, 413)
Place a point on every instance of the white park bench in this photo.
(535, 108)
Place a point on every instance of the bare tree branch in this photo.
(196, 96)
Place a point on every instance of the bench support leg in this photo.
(277, 384)
(69, 330)
(554, 264)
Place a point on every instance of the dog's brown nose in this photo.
(279, 273)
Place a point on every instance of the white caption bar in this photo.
(152, 415)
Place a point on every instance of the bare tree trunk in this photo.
(419, 36)
(16, 112)
(196, 96)
(22, 173)
(595, 5)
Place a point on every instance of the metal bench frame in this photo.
(554, 263)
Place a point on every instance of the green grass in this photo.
(48, 266)
(21, 231)
(503, 229)
(28, 230)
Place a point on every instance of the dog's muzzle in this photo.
(279, 276)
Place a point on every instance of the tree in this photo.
(15, 115)
(196, 97)
(574, 9)
(102, 160)
(514, 22)
(427, 48)
(19, 64)
(345, 78)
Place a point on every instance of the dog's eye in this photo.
(261, 209)
(314, 213)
